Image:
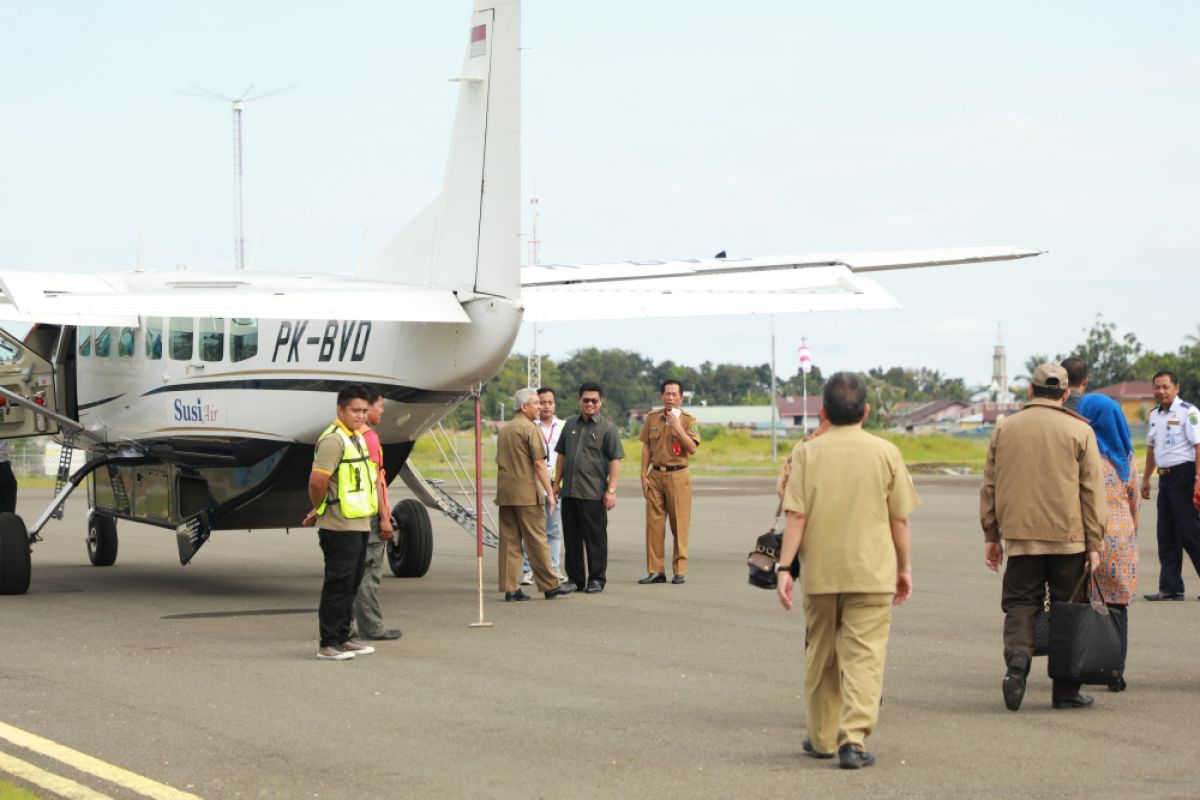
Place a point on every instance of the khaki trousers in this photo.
(668, 497)
(524, 525)
(846, 641)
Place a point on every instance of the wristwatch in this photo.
(612, 491)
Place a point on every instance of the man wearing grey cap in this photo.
(1043, 494)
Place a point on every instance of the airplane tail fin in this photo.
(468, 238)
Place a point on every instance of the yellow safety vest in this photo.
(356, 477)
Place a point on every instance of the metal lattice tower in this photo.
(533, 369)
(239, 105)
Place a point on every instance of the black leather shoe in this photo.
(852, 756)
(1157, 596)
(1013, 686)
(812, 751)
(1078, 701)
(594, 587)
(561, 590)
(1118, 684)
(654, 577)
(678, 579)
(390, 633)
(512, 597)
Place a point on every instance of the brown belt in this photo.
(657, 468)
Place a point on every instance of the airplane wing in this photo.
(119, 299)
(716, 286)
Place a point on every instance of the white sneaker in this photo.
(527, 579)
(334, 654)
(356, 649)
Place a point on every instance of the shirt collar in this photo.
(345, 430)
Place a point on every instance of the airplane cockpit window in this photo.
(103, 342)
(154, 338)
(212, 338)
(8, 353)
(243, 339)
(181, 336)
(85, 341)
(125, 343)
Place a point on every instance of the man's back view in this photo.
(1043, 494)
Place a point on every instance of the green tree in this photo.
(1110, 357)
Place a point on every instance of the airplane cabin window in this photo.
(243, 339)
(182, 332)
(8, 353)
(212, 338)
(85, 341)
(103, 342)
(154, 338)
(125, 343)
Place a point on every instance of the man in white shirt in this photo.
(1173, 446)
(550, 426)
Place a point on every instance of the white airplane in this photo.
(199, 395)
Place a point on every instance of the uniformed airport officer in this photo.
(342, 489)
(1173, 441)
(522, 486)
(669, 437)
(847, 501)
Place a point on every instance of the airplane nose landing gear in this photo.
(411, 550)
(15, 566)
(101, 539)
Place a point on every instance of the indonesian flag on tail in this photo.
(478, 40)
(805, 358)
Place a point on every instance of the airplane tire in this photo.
(101, 540)
(410, 552)
(15, 566)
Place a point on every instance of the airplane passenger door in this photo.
(25, 373)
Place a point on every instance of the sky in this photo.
(651, 130)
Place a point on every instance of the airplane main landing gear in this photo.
(411, 549)
(101, 539)
(15, 567)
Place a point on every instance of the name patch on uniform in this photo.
(1172, 422)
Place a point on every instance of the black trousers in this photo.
(1178, 527)
(1023, 593)
(585, 532)
(8, 488)
(345, 552)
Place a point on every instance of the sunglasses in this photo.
(591, 401)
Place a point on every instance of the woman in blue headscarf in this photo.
(1117, 575)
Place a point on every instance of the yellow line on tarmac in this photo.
(93, 766)
(63, 787)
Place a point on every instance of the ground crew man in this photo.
(1173, 440)
(342, 489)
(847, 502)
(669, 437)
(368, 614)
(522, 488)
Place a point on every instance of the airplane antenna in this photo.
(239, 105)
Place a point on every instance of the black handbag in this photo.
(1085, 643)
(1041, 626)
(765, 555)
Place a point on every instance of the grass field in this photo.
(10, 792)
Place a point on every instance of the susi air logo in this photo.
(195, 412)
(341, 340)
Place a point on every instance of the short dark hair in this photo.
(352, 391)
(1077, 370)
(663, 386)
(845, 398)
(546, 389)
(1049, 392)
(590, 387)
(1169, 374)
(373, 393)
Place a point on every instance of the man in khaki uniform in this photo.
(1043, 494)
(847, 501)
(522, 486)
(669, 437)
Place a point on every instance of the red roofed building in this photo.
(792, 411)
(1136, 399)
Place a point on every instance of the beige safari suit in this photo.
(668, 490)
(522, 506)
(849, 485)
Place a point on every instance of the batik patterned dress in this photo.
(1117, 575)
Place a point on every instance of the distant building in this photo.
(1136, 399)
(929, 417)
(732, 416)
(792, 411)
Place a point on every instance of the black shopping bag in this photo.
(1085, 645)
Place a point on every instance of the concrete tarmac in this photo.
(205, 677)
